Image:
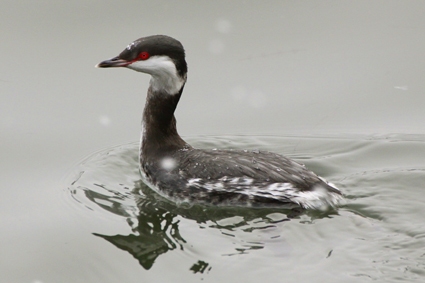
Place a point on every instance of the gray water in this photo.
(327, 83)
(377, 235)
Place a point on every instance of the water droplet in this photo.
(168, 163)
(223, 26)
(104, 120)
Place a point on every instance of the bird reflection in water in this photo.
(156, 233)
(156, 226)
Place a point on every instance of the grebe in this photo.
(184, 174)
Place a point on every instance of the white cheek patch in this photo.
(163, 71)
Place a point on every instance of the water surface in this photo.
(378, 234)
(330, 80)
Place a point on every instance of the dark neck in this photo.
(159, 135)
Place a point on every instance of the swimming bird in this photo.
(184, 174)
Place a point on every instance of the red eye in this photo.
(144, 55)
